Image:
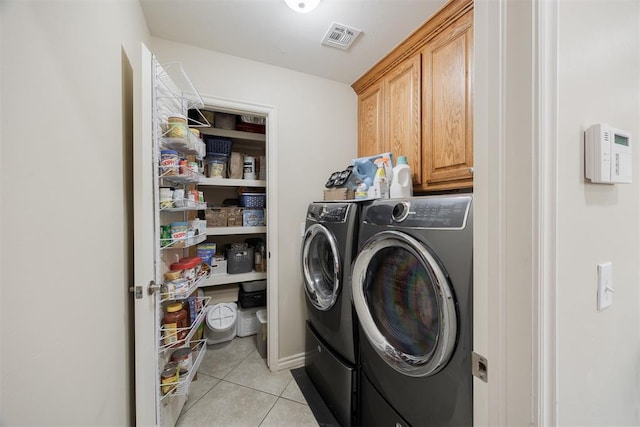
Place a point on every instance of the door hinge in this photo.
(137, 291)
(479, 367)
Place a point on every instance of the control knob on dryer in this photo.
(400, 211)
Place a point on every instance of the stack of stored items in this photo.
(218, 153)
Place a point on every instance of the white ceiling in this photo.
(268, 31)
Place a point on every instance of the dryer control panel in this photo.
(449, 212)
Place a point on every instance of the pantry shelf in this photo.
(227, 231)
(236, 134)
(228, 182)
(223, 279)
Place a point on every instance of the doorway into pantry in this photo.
(261, 147)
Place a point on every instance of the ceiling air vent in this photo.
(340, 36)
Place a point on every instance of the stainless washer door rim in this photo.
(407, 364)
(318, 300)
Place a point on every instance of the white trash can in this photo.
(261, 338)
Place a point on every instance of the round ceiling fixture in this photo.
(302, 6)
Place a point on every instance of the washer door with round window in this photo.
(321, 267)
(405, 303)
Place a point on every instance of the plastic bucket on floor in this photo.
(221, 322)
(261, 338)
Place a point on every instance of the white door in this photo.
(146, 330)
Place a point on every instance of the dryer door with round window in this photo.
(321, 267)
(405, 303)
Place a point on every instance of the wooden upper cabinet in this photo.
(447, 120)
(402, 106)
(371, 121)
(417, 101)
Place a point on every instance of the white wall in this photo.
(65, 250)
(316, 135)
(598, 352)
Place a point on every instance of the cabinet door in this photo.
(371, 121)
(402, 104)
(447, 124)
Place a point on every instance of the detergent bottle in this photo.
(401, 185)
(380, 187)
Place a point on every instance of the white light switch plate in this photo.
(605, 285)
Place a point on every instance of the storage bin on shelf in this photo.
(222, 293)
(252, 299)
(252, 200)
(217, 146)
(247, 321)
(239, 260)
(221, 322)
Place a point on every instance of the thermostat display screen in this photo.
(621, 140)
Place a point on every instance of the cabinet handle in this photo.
(471, 171)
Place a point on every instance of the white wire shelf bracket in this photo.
(187, 176)
(182, 205)
(183, 294)
(181, 387)
(191, 329)
(185, 242)
(173, 82)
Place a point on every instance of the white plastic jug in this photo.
(401, 185)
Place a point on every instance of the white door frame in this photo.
(515, 210)
(242, 107)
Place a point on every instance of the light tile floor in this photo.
(235, 388)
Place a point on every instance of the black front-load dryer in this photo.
(412, 292)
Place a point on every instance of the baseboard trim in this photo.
(291, 362)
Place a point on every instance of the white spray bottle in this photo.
(380, 187)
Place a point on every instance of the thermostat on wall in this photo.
(607, 154)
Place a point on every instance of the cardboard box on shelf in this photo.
(252, 217)
(339, 194)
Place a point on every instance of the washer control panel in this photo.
(328, 212)
(420, 212)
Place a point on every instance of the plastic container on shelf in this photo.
(179, 233)
(217, 146)
(249, 167)
(225, 121)
(239, 260)
(216, 167)
(174, 319)
(261, 339)
(169, 162)
(256, 285)
(221, 322)
(184, 359)
(401, 184)
(252, 200)
(177, 126)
